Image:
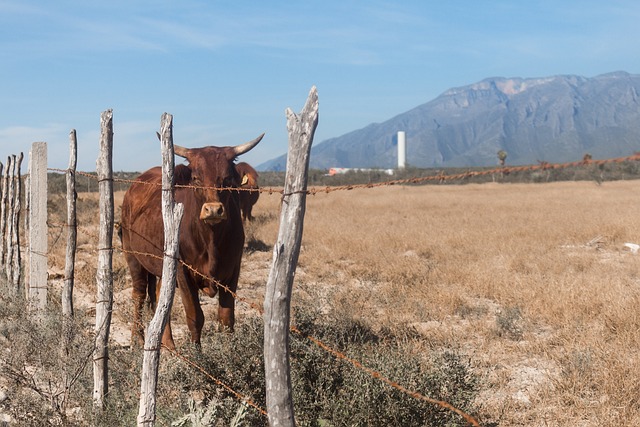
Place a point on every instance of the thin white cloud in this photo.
(184, 34)
(19, 8)
(27, 134)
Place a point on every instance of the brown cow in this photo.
(211, 234)
(249, 180)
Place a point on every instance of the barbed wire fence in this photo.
(8, 203)
(440, 177)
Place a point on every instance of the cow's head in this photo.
(212, 168)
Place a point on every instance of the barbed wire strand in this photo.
(440, 177)
(194, 365)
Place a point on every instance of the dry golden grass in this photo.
(530, 281)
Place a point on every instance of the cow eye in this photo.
(196, 179)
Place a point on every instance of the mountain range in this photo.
(553, 119)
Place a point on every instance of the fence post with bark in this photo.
(172, 215)
(104, 274)
(3, 212)
(1, 216)
(72, 228)
(11, 171)
(277, 301)
(15, 219)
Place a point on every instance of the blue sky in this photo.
(228, 70)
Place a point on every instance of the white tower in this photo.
(402, 150)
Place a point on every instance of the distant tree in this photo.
(587, 158)
(502, 157)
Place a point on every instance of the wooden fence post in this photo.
(277, 299)
(72, 230)
(104, 274)
(27, 229)
(172, 215)
(37, 195)
(1, 219)
(15, 219)
(11, 171)
(3, 210)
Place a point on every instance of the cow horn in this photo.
(177, 150)
(180, 151)
(243, 148)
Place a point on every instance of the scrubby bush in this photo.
(46, 372)
(328, 391)
(44, 363)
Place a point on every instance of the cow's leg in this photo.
(140, 278)
(167, 336)
(226, 307)
(226, 310)
(192, 309)
(152, 292)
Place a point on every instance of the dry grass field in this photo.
(531, 283)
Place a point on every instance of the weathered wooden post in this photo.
(11, 171)
(3, 202)
(15, 219)
(277, 298)
(27, 191)
(37, 201)
(172, 215)
(72, 228)
(104, 274)
(1, 227)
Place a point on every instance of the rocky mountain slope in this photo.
(555, 119)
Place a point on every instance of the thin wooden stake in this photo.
(72, 229)
(11, 172)
(3, 213)
(15, 219)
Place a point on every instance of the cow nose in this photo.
(213, 212)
